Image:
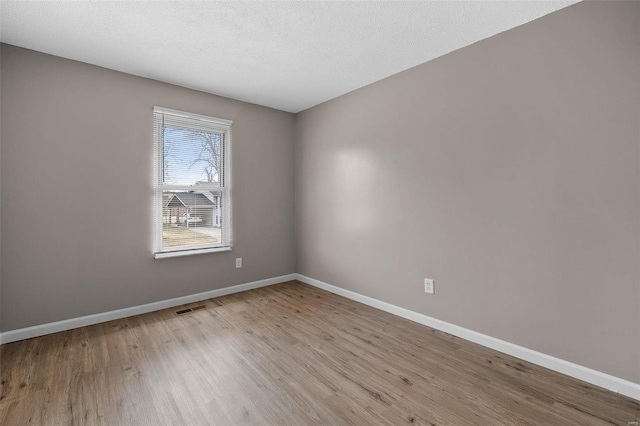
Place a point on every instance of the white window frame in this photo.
(206, 123)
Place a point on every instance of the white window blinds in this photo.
(192, 182)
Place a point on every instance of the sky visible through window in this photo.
(191, 156)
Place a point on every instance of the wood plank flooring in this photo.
(285, 354)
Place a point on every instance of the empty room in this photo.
(320, 212)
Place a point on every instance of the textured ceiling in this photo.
(286, 55)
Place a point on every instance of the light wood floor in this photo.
(285, 354)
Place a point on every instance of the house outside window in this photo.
(192, 183)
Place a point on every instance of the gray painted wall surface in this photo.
(77, 191)
(0, 195)
(508, 171)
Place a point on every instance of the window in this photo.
(192, 183)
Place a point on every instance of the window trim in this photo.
(190, 252)
(214, 124)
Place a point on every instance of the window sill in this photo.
(181, 253)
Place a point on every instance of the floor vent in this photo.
(186, 311)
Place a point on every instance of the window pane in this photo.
(191, 156)
(191, 219)
(192, 165)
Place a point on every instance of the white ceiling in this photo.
(286, 55)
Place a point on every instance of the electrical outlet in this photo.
(239, 262)
(429, 286)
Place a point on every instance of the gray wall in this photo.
(508, 171)
(76, 191)
(1, 195)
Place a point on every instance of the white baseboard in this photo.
(54, 327)
(588, 375)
